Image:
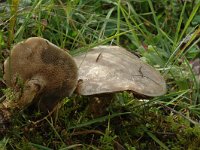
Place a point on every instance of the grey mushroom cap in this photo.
(108, 69)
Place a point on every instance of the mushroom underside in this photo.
(38, 72)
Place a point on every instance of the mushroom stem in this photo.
(22, 99)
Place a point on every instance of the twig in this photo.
(187, 118)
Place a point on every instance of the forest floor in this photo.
(165, 34)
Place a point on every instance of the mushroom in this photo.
(108, 69)
(39, 73)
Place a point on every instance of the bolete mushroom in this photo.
(39, 73)
(108, 69)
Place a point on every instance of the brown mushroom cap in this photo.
(37, 61)
(107, 69)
